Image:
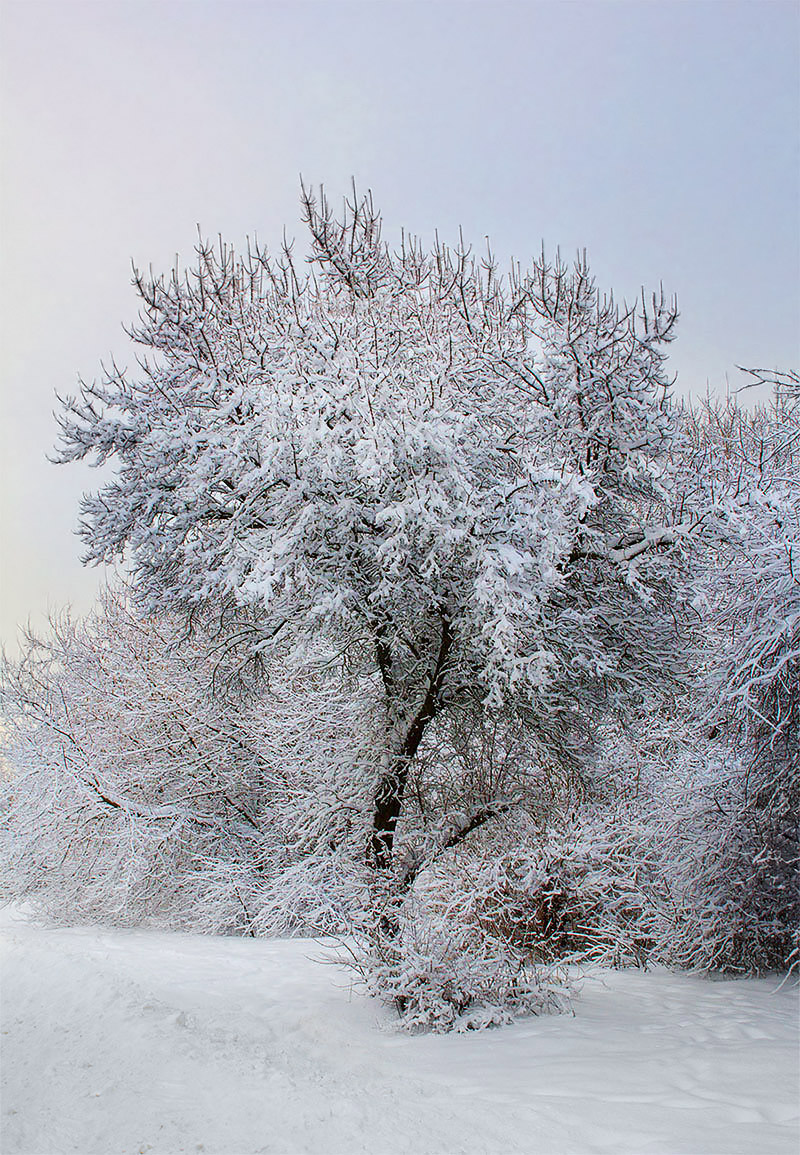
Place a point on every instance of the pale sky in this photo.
(661, 135)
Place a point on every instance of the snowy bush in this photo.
(489, 928)
(702, 873)
(717, 871)
(443, 969)
(136, 793)
(726, 893)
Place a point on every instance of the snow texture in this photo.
(132, 1042)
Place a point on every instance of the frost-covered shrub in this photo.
(553, 893)
(700, 870)
(134, 793)
(488, 929)
(721, 890)
(736, 877)
(441, 979)
(443, 970)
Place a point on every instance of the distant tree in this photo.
(454, 481)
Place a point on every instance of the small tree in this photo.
(457, 480)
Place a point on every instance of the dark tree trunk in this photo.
(388, 799)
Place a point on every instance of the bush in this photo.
(135, 794)
(447, 972)
(494, 928)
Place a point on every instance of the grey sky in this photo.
(662, 136)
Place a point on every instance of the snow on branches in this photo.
(748, 592)
(139, 792)
(449, 632)
(454, 478)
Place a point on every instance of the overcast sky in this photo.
(664, 137)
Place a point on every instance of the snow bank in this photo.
(126, 1043)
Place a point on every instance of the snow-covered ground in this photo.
(121, 1043)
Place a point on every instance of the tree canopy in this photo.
(456, 477)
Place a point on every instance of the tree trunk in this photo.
(388, 799)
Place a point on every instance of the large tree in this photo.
(455, 479)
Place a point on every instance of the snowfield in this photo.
(134, 1042)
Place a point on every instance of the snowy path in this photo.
(120, 1043)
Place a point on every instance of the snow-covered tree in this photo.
(708, 838)
(753, 587)
(746, 872)
(451, 479)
